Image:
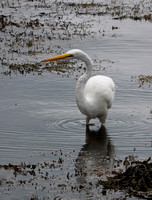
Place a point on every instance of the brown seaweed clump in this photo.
(144, 79)
(136, 180)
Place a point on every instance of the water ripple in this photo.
(66, 124)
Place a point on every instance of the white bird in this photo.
(94, 95)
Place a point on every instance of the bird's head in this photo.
(74, 53)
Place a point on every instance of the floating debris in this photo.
(144, 79)
(44, 176)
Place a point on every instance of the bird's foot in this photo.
(87, 122)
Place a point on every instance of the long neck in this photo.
(80, 86)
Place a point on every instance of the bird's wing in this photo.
(100, 89)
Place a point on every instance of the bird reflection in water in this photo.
(96, 156)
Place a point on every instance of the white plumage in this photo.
(94, 95)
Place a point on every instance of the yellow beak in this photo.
(58, 57)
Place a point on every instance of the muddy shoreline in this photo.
(134, 180)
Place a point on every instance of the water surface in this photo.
(40, 122)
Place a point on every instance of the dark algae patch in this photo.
(136, 180)
(144, 79)
(29, 29)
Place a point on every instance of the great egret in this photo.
(94, 95)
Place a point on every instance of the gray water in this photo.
(39, 118)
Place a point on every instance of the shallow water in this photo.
(40, 122)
